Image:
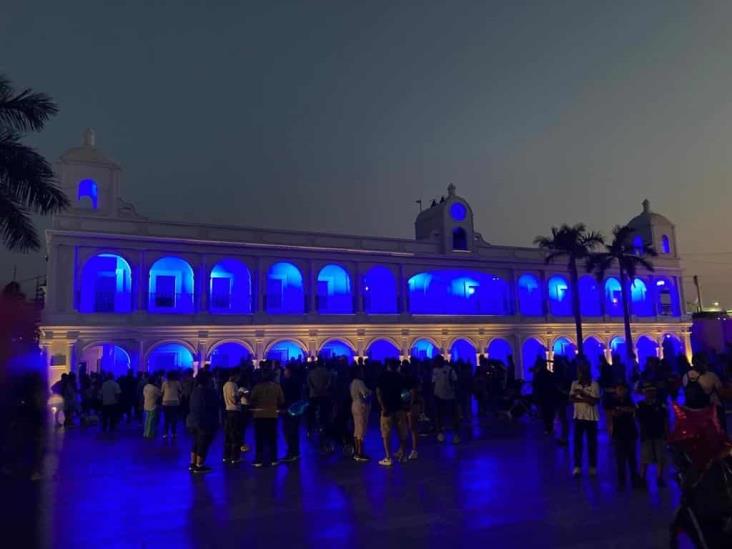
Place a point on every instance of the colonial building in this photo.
(128, 291)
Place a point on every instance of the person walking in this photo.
(319, 382)
(151, 396)
(413, 404)
(653, 421)
(111, 392)
(444, 380)
(202, 420)
(584, 393)
(266, 400)
(172, 390)
(360, 408)
(232, 420)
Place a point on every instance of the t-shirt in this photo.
(231, 397)
(110, 392)
(652, 418)
(583, 410)
(390, 389)
(266, 399)
(444, 380)
(319, 382)
(150, 396)
(709, 382)
(359, 391)
(171, 390)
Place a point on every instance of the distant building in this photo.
(127, 291)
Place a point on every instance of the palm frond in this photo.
(16, 228)
(24, 111)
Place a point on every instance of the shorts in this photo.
(399, 419)
(653, 451)
(360, 414)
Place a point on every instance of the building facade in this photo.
(127, 291)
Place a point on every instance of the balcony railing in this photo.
(170, 303)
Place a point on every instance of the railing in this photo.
(172, 303)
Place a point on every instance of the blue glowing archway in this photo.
(382, 349)
(230, 288)
(590, 297)
(613, 297)
(458, 292)
(229, 354)
(594, 350)
(641, 301)
(379, 291)
(647, 348)
(499, 349)
(285, 294)
(617, 347)
(106, 285)
(334, 291)
(560, 296)
(532, 350)
(531, 299)
(424, 349)
(335, 348)
(285, 350)
(88, 189)
(108, 358)
(672, 346)
(463, 351)
(564, 347)
(169, 356)
(171, 286)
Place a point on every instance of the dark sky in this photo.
(337, 116)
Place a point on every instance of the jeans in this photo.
(265, 437)
(202, 440)
(170, 418)
(625, 459)
(291, 428)
(585, 428)
(151, 423)
(232, 434)
(109, 417)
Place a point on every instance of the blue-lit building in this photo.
(127, 291)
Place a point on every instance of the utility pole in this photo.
(420, 205)
(699, 306)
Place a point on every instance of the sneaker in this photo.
(234, 461)
(257, 464)
(593, 471)
(456, 439)
(440, 437)
(576, 472)
(200, 469)
(244, 448)
(386, 462)
(274, 463)
(399, 456)
(191, 467)
(360, 459)
(413, 455)
(226, 461)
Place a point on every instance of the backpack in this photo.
(694, 394)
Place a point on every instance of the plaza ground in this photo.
(505, 485)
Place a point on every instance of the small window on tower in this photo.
(665, 244)
(459, 239)
(88, 189)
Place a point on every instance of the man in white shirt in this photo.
(585, 394)
(232, 422)
(110, 393)
(444, 380)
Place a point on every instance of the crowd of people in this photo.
(333, 400)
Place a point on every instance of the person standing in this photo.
(585, 394)
(413, 405)
(292, 391)
(389, 394)
(625, 436)
(319, 382)
(702, 388)
(544, 393)
(150, 396)
(266, 399)
(232, 420)
(172, 390)
(444, 380)
(111, 392)
(653, 421)
(203, 420)
(360, 408)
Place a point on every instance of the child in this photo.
(653, 421)
(625, 435)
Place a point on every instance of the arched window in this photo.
(379, 291)
(499, 349)
(230, 288)
(641, 303)
(171, 286)
(617, 347)
(382, 349)
(286, 350)
(169, 356)
(647, 348)
(594, 351)
(564, 347)
(613, 297)
(336, 348)
(531, 300)
(672, 347)
(106, 284)
(88, 190)
(334, 291)
(665, 244)
(560, 296)
(532, 350)
(458, 292)
(108, 358)
(589, 296)
(229, 355)
(285, 294)
(459, 239)
(638, 244)
(667, 298)
(424, 349)
(463, 351)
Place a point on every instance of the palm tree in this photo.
(628, 257)
(27, 183)
(575, 244)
